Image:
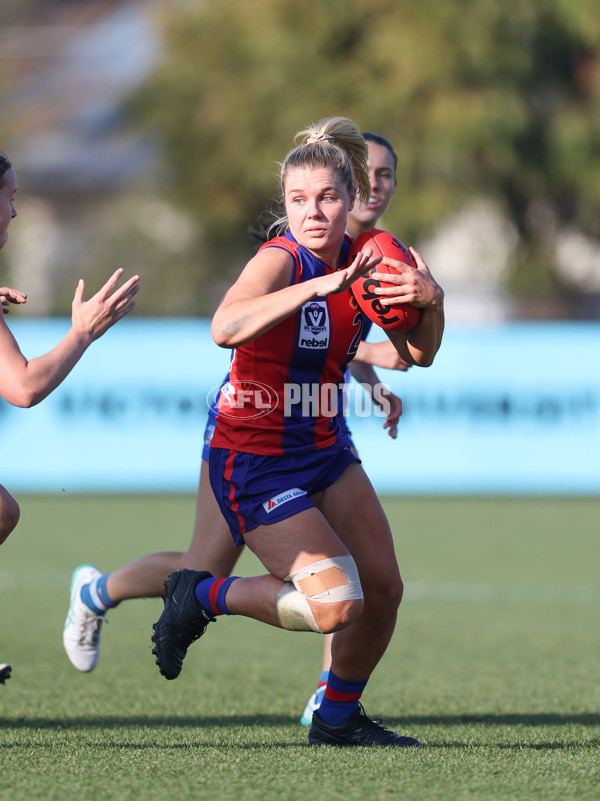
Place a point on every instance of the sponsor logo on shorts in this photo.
(314, 325)
(283, 497)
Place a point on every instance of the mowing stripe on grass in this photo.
(426, 591)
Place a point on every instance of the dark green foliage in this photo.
(479, 97)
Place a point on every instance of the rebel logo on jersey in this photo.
(314, 325)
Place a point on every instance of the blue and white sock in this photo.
(95, 595)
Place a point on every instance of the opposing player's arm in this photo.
(25, 382)
(8, 295)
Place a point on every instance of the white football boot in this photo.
(314, 702)
(83, 627)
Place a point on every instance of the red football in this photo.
(394, 318)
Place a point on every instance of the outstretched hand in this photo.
(8, 295)
(94, 317)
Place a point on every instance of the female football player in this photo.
(287, 482)
(211, 546)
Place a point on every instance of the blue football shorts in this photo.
(254, 490)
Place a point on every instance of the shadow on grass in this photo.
(233, 721)
(503, 719)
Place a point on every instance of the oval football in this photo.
(394, 318)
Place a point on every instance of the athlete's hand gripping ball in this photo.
(397, 317)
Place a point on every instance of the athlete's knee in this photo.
(395, 592)
(335, 617)
(10, 514)
(385, 594)
(325, 596)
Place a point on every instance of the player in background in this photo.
(211, 547)
(287, 482)
(25, 382)
(381, 164)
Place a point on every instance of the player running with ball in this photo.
(327, 547)
(93, 593)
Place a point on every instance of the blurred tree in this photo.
(479, 97)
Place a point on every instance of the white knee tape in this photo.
(293, 610)
(329, 580)
(326, 581)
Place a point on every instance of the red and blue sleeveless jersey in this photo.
(283, 388)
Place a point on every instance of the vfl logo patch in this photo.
(283, 497)
(314, 325)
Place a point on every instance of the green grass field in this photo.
(494, 666)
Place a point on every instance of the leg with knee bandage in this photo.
(327, 581)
